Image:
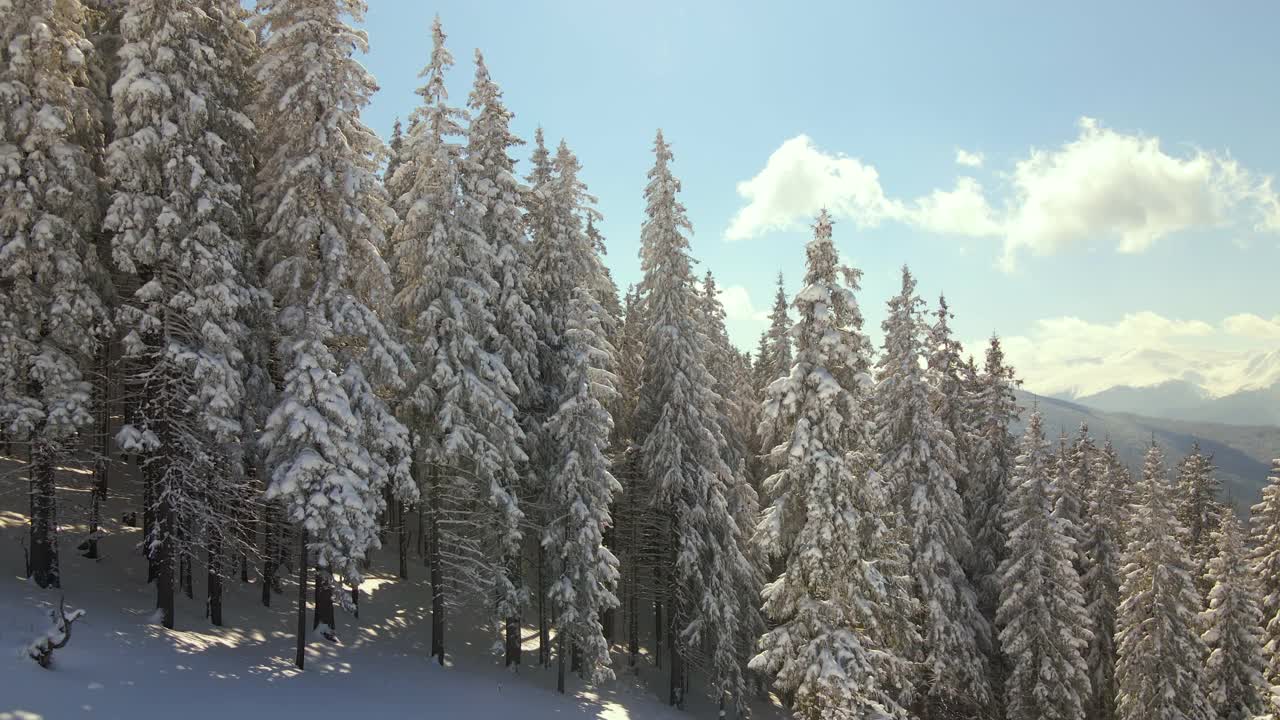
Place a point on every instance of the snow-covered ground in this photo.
(120, 664)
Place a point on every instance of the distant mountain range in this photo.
(1184, 400)
(1242, 453)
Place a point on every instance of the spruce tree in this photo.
(1044, 626)
(1102, 551)
(1265, 523)
(461, 403)
(1199, 510)
(178, 219)
(682, 458)
(492, 198)
(1160, 656)
(918, 459)
(993, 454)
(778, 359)
(332, 441)
(52, 317)
(584, 572)
(1232, 625)
(842, 607)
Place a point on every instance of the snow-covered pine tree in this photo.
(724, 364)
(52, 317)
(634, 517)
(1043, 624)
(580, 490)
(1199, 511)
(177, 167)
(1232, 625)
(842, 608)
(1070, 501)
(1265, 524)
(1102, 550)
(461, 403)
(1160, 656)
(492, 197)
(681, 453)
(952, 402)
(777, 360)
(918, 460)
(332, 441)
(993, 453)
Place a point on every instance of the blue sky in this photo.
(1125, 247)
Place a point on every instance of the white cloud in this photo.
(962, 211)
(1068, 354)
(969, 159)
(1106, 184)
(1253, 326)
(798, 180)
(1103, 187)
(737, 305)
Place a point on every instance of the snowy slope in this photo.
(121, 665)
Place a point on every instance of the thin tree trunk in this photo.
(437, 576)
(42, 564)
(268, 553)
(544, 633)
(659, 627)
(633, 619)
(677, 665)
(402, 540)
(513, 621)
(355, 600)
(324, 614)
(560, 648)
(214, 563)
(184, 563)
(300, 658)
(149, 514)
(102, 395)
(164, 557)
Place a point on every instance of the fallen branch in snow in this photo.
(41, 650)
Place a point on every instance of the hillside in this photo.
(120, 663)
(1241, 453)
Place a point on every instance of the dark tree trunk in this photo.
(544, 632)
(659, 627)
(184, 563)
(42, 564)
(324, 614)
(560, 652)
(300, 657)
(513, 621)
(437, 577)
(149, 514)
(677, 666)
(633, 620)
(355, 600)
(214, 562)
(102, 395)
(402, 540)
(422, 541)
(268, 553)
(163, 558)
(609, 617)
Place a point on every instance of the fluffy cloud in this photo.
(962, 211)
(737, 305)
(1248, 325)
(1071, 355)
(1106, 184)
(969, 159)
(798, 180)
(1102, 187)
